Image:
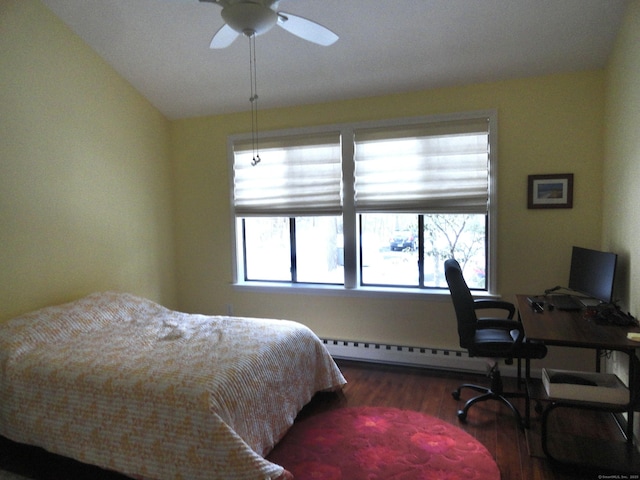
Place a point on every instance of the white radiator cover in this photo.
(437, 358)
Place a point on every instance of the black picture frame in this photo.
(550, 191)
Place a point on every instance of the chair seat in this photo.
(494, 342)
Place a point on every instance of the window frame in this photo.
(351, 233)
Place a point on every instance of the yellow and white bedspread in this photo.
(123, 383)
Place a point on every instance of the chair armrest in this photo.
(497, 304)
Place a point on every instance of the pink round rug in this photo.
(381, 443)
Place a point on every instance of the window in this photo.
(368, 206)
(410, 259)
(298, 249)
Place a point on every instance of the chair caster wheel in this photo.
(462, 416)
(456, 395)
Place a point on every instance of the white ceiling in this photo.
(386, 46)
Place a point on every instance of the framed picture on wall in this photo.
(550, 191)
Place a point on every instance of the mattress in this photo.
(121, 382)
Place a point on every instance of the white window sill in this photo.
(433, 294)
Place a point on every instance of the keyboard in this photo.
(564, 302)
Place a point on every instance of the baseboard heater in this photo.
(437, 358)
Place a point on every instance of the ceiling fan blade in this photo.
(224, 37)
(306, 29)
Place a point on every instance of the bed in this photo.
(123, 383)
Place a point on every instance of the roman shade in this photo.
(423, 168)
(296, 176)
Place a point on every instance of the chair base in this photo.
(495, 392)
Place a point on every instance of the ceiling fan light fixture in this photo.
(249, 18)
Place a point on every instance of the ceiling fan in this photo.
(254, 17)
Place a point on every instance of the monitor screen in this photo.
(592, 273)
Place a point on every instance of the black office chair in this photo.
(494, 338)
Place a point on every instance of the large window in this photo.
(366, 206)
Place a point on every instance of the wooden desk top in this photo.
(572, 328)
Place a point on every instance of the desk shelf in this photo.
(614, 455)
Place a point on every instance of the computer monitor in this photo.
(592, 273)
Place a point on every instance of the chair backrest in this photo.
(463, 302)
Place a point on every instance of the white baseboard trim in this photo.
(436, 358)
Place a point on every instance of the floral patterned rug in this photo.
(384, 444)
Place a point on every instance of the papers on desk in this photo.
(634, 336)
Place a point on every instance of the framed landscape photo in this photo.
(550, 191)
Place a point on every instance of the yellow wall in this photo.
(85, 181)
(621, 217)
(550, 124)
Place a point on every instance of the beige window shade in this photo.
(432, 168)
(296, 176)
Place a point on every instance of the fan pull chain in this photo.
(254, 100)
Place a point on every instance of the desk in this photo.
(576, 329)
(572, 329)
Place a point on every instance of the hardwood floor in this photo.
(422, 390)
(491, 423)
